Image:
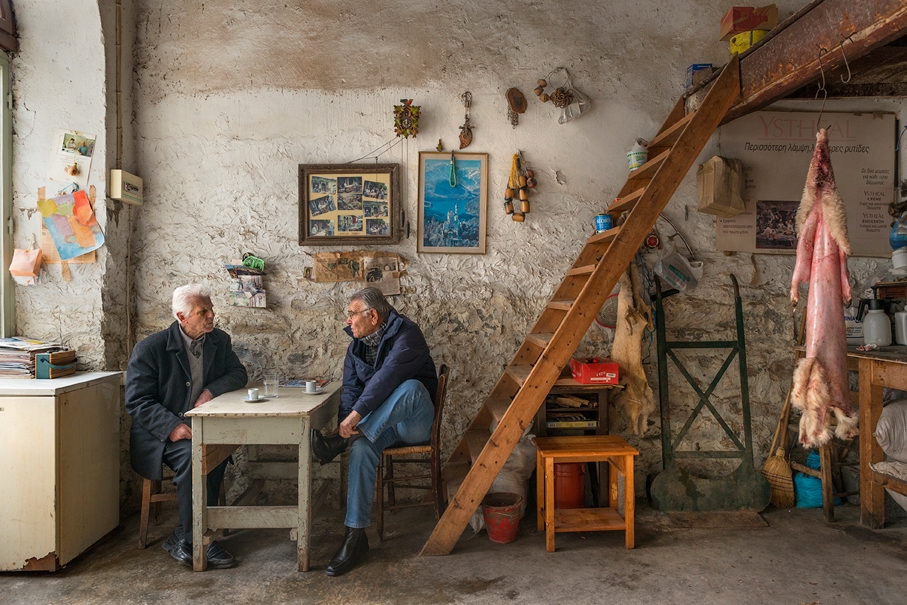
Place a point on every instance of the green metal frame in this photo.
(675, 489)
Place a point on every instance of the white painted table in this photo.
(225, 423)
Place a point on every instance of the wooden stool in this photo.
(587, 448)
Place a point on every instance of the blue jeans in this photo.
(404, 418)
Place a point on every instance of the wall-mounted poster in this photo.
(453, 197)
(348, 204)
(776, 148)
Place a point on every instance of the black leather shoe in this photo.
(351, 553)
(181, 550)
(218, 558)
(328, 448)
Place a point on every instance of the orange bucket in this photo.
(569, 485)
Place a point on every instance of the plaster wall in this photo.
(228, 101)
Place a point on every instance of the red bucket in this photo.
(502, 516)
(569, 485)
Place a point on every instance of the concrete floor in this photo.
(794, 557)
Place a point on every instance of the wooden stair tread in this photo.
(625, 203)
(604, 237)
(583, 270)
(560, 305)
(542, 339)
(498, 407)
(648, 170)
(475, 442)
(670, 135)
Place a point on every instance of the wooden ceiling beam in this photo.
(788, 58)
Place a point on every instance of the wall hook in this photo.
(847, 65)
(821, 89)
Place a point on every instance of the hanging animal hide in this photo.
(820, 381)
(633, 316)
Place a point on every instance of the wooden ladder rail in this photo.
(575, 304)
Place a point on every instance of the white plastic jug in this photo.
(876, 324)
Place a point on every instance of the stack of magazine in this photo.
(17, 356)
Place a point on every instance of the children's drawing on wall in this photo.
(70, 160)
(71, 222)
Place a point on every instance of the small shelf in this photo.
(587, 519)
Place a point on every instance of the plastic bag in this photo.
(676, 271)
(26, 263)
(571, 101)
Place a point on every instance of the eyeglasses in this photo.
(352, 314)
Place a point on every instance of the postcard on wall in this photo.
(247, 291)
(72, 225)
(383, 272)
(338, 266)
(70, 159)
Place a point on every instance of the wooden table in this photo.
(884, 367)
(584, 448)
(225, 423)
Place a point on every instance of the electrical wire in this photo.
(375, 155)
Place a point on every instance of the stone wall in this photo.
(228, 101)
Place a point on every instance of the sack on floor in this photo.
(513, 478)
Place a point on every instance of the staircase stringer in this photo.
(580, 315)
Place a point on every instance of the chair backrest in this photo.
(439, 407)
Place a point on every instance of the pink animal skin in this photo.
(820, 380)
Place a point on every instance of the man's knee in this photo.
(178, 455)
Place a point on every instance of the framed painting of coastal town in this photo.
(349, 204)
(453, 199)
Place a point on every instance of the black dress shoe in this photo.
(351, 553)
(328, 448)
(181, 550)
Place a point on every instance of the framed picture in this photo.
(453, 200)
(349, 204)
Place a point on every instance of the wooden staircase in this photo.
(547, 349)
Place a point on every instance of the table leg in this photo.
(199, 497)
(539, 491)
(613, 488)
(629, 500)
(305, 494)
(549, 504)
(828, 492)
(872, 495)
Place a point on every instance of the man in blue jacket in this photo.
(171, 372)
(389, 384)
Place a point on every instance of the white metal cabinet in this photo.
(59, 468)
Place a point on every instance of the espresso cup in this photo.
(253, 394)
(311, 386)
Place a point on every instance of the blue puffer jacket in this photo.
(402, 354)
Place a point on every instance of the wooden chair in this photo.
(432, 449)
(151, 499)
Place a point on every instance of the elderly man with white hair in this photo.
(171, 372)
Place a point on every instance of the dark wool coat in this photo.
(158, 384)
(402, 354)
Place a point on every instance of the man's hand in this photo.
(205, 397)
(350, 424)
(182, 431)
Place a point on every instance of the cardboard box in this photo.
(744, 18)
(597, 370)
(720, 184)
(741, 42)
(695, 68)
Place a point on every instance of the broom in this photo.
(777, 467)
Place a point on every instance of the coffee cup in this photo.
(253, 394)
(311, 386)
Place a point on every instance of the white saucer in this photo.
(318, 392)
(259, 400)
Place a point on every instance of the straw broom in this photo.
(777, 466)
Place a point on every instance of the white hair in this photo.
(184, 296)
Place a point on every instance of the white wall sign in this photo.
(776, 148)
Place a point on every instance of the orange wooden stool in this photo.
(586, 448)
